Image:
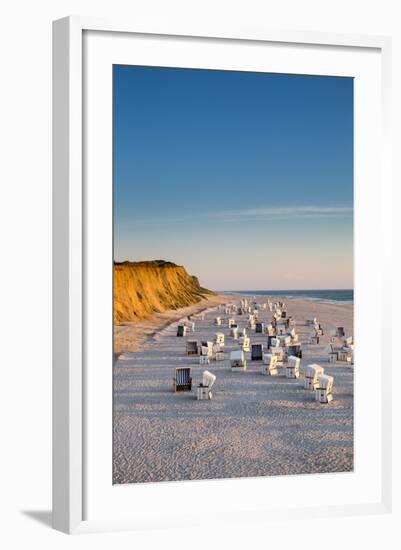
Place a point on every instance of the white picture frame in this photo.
(72, 255)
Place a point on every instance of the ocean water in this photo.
(330, 296)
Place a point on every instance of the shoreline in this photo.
(131, 336)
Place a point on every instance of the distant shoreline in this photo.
(327, 296)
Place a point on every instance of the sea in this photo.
(344, 296)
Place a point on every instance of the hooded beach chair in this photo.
(270, 364)
(217, 321)
(312, 372)
(237, 360)
(218, 353)
(281, 329)
(345, 354)
(333, 354)
(279, 353)
(270, 330)
(190, 326)
(274, 342)
(204, 388)
(293, 367)
(257, 352)
(324, 389)
(219, 339)
(245, 343)
(348, 341)
(182, 330)
(295, 349)
(285, 340)
(192, 347)
(206, 353)
(259, 328)
(182, 379)
(231, 322)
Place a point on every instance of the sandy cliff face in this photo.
(142, 288)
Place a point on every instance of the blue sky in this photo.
(246, 179)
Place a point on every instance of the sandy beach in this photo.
(254, 426)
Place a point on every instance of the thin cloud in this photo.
(247, 214)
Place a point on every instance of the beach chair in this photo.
(219, 339)
(318, 329)
(285, 340)
(237, 360)
(192, 347)
(207, 348)
(274, 342)
(257, 352)
(281, 329)
(340, 332)
(345, 355)
(243, 332)
(324, 389)
(283, 314)
(293, 367)
(204, 388)
(348, 341)
(218, 353)
(245, 343)
(314, 339)
(279, 353)
(270, 330)
(270, 364)
(259, 328)
(231, 322)
(295, 349)
(182, 379)
(333, 354)
(182, 330)
(217, 321)
(234, 332)
(312, 372)
(190, 326)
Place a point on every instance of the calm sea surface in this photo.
(331, 296)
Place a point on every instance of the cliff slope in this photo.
(142, 288)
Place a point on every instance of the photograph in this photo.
(233, 274)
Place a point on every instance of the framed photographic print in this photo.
(219, 312)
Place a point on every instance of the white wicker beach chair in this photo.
(219, 339)
(205, 387)
(279, 353)
(237, 360)
(245, 343)
(324, 389)
(207, 348)
(312, 372)
(217, 321)
(270, 364)
(293, 367)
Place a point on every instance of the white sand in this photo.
(255, 425)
